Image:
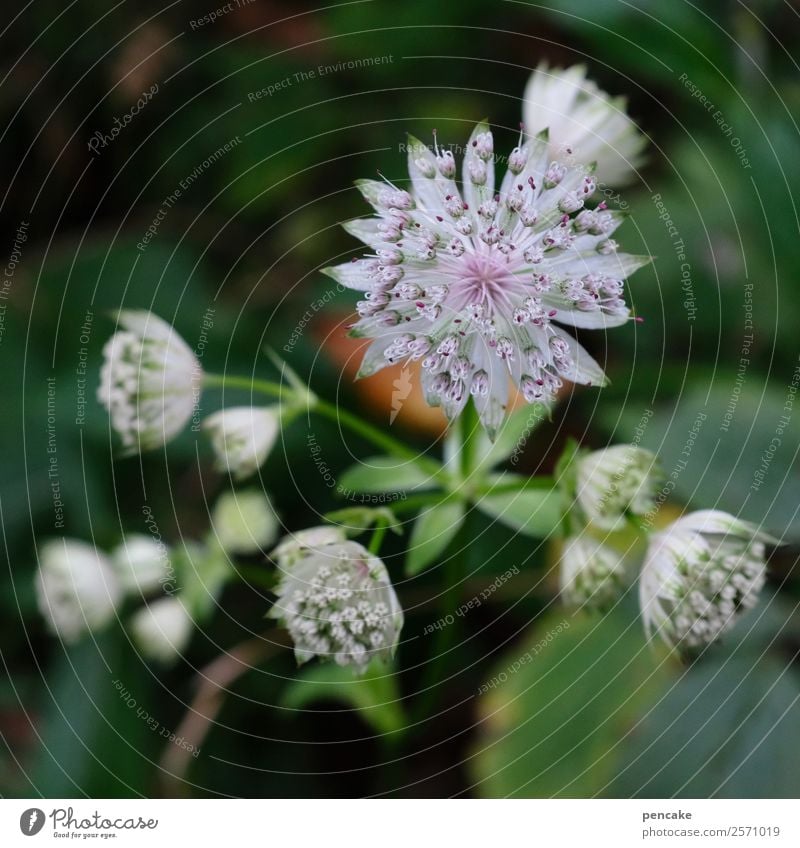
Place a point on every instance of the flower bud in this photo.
(592, 574)
(141, 563)
(244, 522)
(162, 629)
(76, 588)
(150, 380)
(242, 437)
(699, 576)
(615, 482)
(585, 125)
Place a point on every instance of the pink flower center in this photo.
(484, 278)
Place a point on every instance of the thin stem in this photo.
(334, 413)
(251, 384)
(470, 428)
(446, 637)
(377, 537)
(415, 502)
(213, 682)
(376, 436)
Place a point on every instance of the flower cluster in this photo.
(478, 282)
(80, 589)
(700, 575)
(337, 602)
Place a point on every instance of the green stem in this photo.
(377, 437)
(377, 537)
(470, 429)
(231, 381)
(446, 637)
(420, 501)
(332, 412)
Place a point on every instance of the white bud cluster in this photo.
(338, 603)
(615, 482)
(592, 574)
(700, 575)
(149, 382)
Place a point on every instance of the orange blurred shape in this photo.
(395, 392)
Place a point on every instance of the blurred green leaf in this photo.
(560, 707)
(93, 740)
(534, 512)
(729, 447)
(374, 695)
(512, 436)
(433, 531)
(385, 474)
(733, 715)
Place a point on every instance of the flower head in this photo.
(242, 437)
(476, 284)
(141, 563)
(295, 546)
(616, 481)
(76, 588)
(149, 382)
(585, 125)
(592, 574)
(244, 522)
(699, 576)
(338, 604)
(162, 629)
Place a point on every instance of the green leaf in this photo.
(534, 512)
(433, 531)
(512, 436)
(715, 427)
(356, 519)
(375, 695)
(94, 740)
(385, 474)
(557, 710)
(728, 727)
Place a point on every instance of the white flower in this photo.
(244, 522)
(616, 481)
(700, 575)
(162, 629)
(141, 563)
(76, 588)
(339, 604)
(150, 380)
(242, 437)
(475, 286)
(592, 574)
(297, 545)
(585, 125)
